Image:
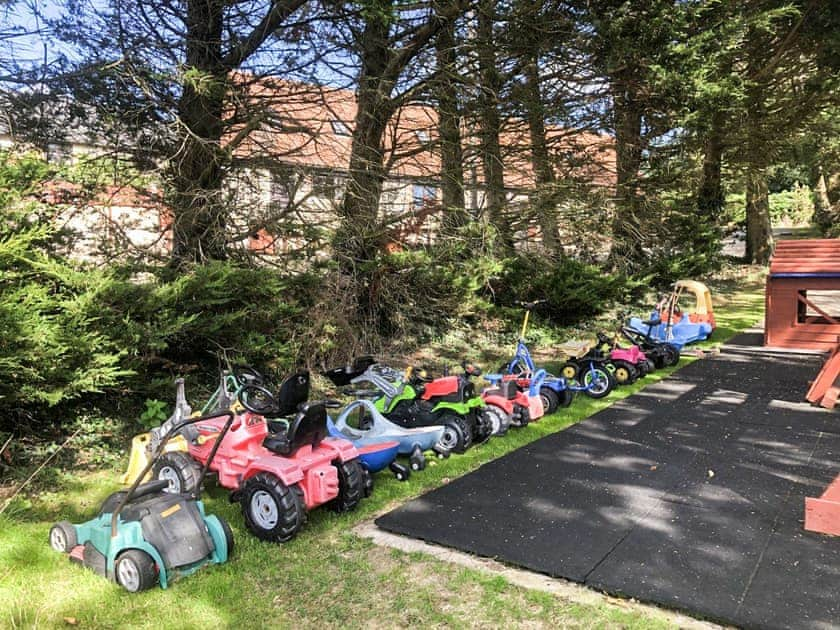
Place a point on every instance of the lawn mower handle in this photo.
(158, 452)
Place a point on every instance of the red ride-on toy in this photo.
(516, 405)
(277, 467)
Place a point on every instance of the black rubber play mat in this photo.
(689, 493)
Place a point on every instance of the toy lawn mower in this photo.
(276, 459)
(145, 535)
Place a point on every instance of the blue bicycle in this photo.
(557, 391)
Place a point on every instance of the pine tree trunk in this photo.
(359, 239)
(543, 171)
(449, 129)
(360, 235)
(710, 193)
(196, 170)
(759, 232)
(627, 246)
(490, 122)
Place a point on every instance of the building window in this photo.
(423, 195)
(818, 307)
(340, 128)
(323, 186)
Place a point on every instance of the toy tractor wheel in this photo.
(569, 371)
(521, 417)
(499, 419)
(457, 436)
(625, 373)
(550, 400)
(647, 367)
(180, 470)
(599, 382)
(400, 472)
(351, 486)
(417, 460)
(63, 537)
(672, 355)
(368, 482)
(567, 396)
(135, 571)
(272, 511)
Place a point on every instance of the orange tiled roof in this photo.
(302, 131)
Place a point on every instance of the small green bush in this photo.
(573, 290)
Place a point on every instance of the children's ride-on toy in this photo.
(374, 455)
(699, 308)
(556, 391)
(144, 535)
(371, 427)
(514, 406)
(413, 400)
(585, 363)
(678, 325)
(628, 364)
(276, 459)
(143, 444)
(661, 353)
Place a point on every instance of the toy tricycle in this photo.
(661, 353)
(629, 363)
(595, 381)
(145, 535)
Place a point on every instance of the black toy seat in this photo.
(294, 391)
(308, 428)
(505, 389)
(343, 375)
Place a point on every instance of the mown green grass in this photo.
(327, 576)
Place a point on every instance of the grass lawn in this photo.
(326, 576)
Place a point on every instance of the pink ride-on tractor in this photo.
(278, 468)
(630, 363)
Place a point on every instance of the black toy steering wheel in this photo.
(246, 375)
(257, 399)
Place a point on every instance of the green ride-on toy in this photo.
(144, 535)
